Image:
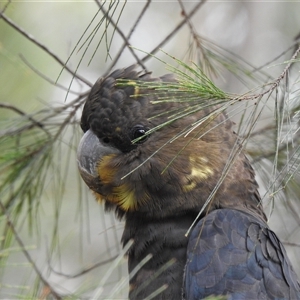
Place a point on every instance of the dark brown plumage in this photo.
(159, 185)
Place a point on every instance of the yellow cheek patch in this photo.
(200, 171)
(120, 193)
(105, 171)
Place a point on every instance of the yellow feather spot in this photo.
(99, 198)
(131, 83)
(189, 187)
(120, 196)
(136, 91)
(124, 197)
(200, 171)
(136, 88)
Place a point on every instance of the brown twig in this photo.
(52, 82)
(110, 20)
(173, 32)
(84, 271)
(43, 47)
(291, 244)
(276, 82)
(117, 57)
(77, 102)
(25, 252)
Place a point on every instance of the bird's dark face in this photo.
(155, 175)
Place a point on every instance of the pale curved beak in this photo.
(90, 151)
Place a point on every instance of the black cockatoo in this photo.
(159, 184)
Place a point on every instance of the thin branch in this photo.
(276, 57)
(5, 7)
(52, 82)
(34, 123)
(173, 32)
(84, 271)
(27, 255)
(128, 37)
(190, 25)
(43, 47)
(140, 62)
(291, 244)
(20, 112)
(77, 102)
(276, 82)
